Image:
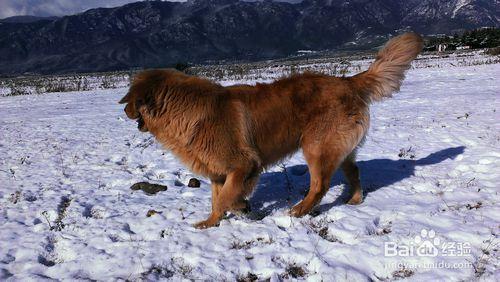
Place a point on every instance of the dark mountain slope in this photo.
(155, 34)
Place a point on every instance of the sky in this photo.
(43, 8)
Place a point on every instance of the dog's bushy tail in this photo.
(385, 75)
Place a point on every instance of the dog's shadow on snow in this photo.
(277, 190)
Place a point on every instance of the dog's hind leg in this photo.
(321, 168)
(351, 172)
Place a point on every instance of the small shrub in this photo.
(183, 67)
(250, 277)
(402, 273)
(493, 51)
(295, 271)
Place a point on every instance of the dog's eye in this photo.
(131, 112)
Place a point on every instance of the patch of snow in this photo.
(430, 162)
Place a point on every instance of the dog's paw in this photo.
(298, 211)
(205, 224)
(355, 200)
(242, 208)
(212, 221)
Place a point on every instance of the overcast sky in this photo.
(43, 8)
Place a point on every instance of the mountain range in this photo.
(152, 34)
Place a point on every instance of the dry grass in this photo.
(337, 65)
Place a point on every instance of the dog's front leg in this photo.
(214, 217)
(229, 196)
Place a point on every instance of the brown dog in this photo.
(230, 134)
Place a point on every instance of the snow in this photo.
(431, 161)
(459, 5)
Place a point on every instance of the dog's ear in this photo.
(149, 88)
(125, 99)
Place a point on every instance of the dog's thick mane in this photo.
(170, 90)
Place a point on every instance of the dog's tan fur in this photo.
(230, 134)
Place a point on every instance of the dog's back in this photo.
(282, 112)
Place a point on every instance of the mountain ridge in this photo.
(158, 33)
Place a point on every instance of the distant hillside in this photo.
(158, 34)
(477, 38)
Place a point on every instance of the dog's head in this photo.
(155, 93)
(143, 95)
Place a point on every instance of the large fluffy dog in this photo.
(229, 134)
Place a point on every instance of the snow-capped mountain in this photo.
(159, 33)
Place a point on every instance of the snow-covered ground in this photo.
(430, 169)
